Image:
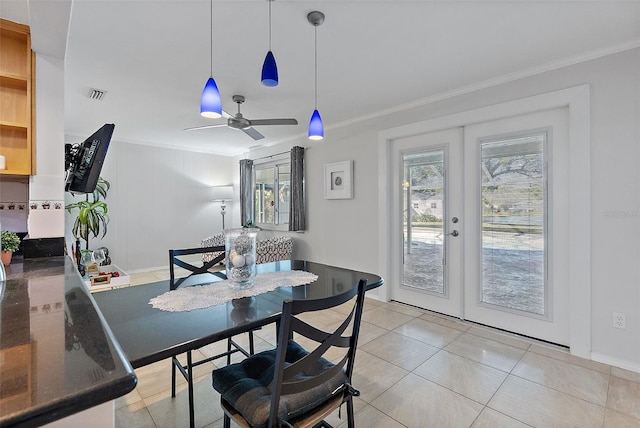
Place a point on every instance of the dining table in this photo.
(148, 334)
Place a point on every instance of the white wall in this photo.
(344, 232)
(159, 199)
(48, 183)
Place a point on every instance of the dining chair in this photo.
(290, 386)
(199, 275)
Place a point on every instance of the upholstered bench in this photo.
(268, 250)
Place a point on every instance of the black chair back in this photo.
(285, 381)
(199, 274)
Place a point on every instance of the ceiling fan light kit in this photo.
(269, 67)
(210, 101)
(316, 128)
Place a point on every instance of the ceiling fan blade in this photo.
(261, 122)
(195, 128)
(251, 132)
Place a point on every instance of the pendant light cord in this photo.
(315, 49)
(269, 23)
(211, 35)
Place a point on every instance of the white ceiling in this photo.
(153, 58)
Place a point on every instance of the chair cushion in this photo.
(246, 386)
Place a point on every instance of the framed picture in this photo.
(338, 180)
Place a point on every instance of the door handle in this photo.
(454, 233)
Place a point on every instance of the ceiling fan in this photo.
(245, 125)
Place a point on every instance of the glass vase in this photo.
(240, 248)
(89, 262)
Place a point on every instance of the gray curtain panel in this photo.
(297, 218)
(246, 191)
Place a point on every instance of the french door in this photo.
(483, 225)
(429, 192)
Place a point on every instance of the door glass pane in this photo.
(423, 210)
(513, 210)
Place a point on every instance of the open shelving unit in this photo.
(16, 99)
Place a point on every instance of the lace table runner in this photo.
(217, 293)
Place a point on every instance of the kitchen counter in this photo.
(57, 353)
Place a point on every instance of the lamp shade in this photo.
(210, 103)
(269, 70)
(222, 193)
(316, 129)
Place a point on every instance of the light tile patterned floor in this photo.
(416, 369)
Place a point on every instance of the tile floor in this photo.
(416, 369)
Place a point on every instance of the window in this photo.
(272, 194)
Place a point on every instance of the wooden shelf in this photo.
(13, 125)
(7, 79)
(16, 99)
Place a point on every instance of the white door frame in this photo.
(577, 99)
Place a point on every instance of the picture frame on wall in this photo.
(338, 180)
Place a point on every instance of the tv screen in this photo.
(84, 161)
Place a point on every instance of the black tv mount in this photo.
(83, 162)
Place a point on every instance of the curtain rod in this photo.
(278, 154)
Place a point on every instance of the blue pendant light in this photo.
(316, 128)
(269, 67)
(269, 70)
(210, 102)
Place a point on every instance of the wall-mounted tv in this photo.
(83, 162)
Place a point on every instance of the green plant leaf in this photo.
(92, 216)
(9, 240)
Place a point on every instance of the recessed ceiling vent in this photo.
(96, 94)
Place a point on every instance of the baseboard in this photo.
(633, 366)
(151, 269)
(373, 294)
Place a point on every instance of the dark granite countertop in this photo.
(57, 353)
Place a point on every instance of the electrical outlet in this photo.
(619, 320)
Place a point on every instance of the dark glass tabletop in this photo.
(148, 335)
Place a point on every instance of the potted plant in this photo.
(10, 243)
(92, 215)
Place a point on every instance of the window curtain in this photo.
(246, 191)
(297, 219)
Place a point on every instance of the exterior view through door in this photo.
(513, 204)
